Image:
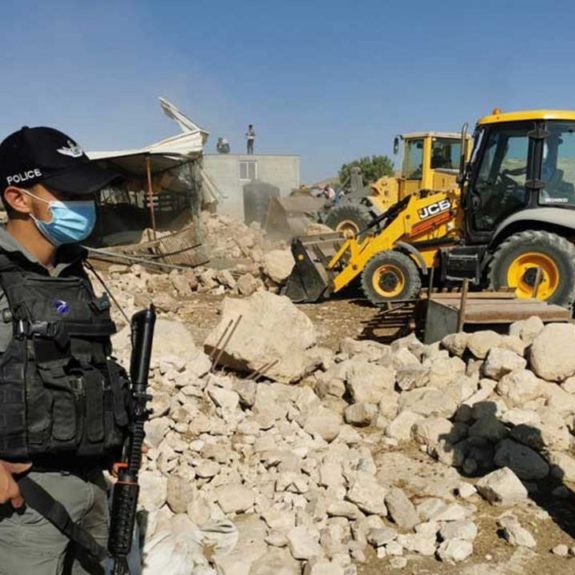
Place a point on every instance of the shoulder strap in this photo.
(41, 501)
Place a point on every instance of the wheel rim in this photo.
(348, 228)
(522, 274)
(388, 280)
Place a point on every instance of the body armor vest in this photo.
(61, 394)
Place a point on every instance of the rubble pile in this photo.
(239, 266)
(330, 458)
(231, 238)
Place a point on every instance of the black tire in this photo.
(349, 217)
(376, 283)
(515, 262)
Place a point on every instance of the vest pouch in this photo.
(68, 399)
(118, 396)
(94, 391)
(13, 432)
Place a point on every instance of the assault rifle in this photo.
(126, 489)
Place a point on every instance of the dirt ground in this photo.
(550, 520)
(334, 319)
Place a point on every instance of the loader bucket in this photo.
(309, 280)
(289, 217)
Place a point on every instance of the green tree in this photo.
(372, 168)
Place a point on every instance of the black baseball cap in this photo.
(44, 155)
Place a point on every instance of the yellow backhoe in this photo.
(430, 162)
(510, 223)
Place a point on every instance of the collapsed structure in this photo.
(155, 209)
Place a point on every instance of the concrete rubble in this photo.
(307, 486)
(337, 456)
(241, 263)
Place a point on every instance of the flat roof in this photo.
(527, 115)
(249, 156)
(452, 135)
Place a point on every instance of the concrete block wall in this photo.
(224, 171)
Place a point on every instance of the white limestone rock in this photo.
(400, 509)
(303, 543)
(278, 265)
(500, 362)
(552, 353)
(502, 487)
(514, 533)
(481, 342)
(455, 550)
(235, 498)
(257, 341)
(527, 329)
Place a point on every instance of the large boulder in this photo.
(271, 332)
(552, 354)
(278, 265)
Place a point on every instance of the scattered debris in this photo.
(371, 450)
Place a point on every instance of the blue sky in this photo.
(329, 80)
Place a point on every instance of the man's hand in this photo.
(9, 490)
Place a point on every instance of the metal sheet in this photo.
(443, 311)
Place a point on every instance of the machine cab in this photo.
(430, 161)
(521, 160)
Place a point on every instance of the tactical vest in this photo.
(61, 394)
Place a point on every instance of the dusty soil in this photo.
(550, 520)
(334, 319)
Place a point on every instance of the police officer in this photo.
(62, 398)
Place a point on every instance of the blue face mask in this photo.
(71, 221)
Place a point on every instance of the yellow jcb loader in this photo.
(430, 162)
(511, 223)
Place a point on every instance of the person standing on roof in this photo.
(250, 139)
(63, 415)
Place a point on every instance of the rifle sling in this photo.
(41, 501)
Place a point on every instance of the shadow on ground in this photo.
(477, 456)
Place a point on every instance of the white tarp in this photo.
(189, 143)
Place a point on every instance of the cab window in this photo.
(499, 188)
(558, 165)
(445, 154)
(413, 163)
